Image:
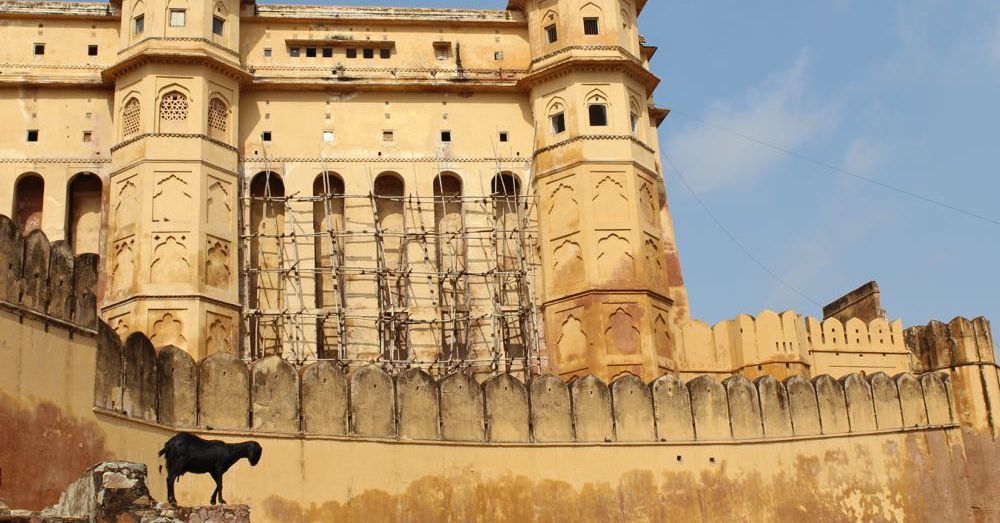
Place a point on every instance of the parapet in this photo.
(222, 392)
(788, 344)
(43, 279)
(938, 346)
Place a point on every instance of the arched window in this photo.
(591, 15)
(508, 225)
(29, 193)
(392, 280)
(218, 118)
(138, 21)
(597, 109)
(328, 223)
(173, 112)
(634, 116)
(451, 246)
(550, 27)
(83, 217)
(219, 17)
(130, 117)
(556, 112)
(267, 225)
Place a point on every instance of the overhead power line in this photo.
(757, 261)
(838, 170)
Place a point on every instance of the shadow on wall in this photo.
(224, 393)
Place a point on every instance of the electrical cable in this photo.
(838, 170)
(732, 237)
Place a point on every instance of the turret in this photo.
(173, 198)
(605, 296)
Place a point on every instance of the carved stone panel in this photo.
(220, 207)
(571, 340)
(217, 270)
(563, 207)
(123, 265)
(171, 262)
(621, 330)
(126, 203)
(171, 198)
(219, 337)
(166, 327)
(614, 257)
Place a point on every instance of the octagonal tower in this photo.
(173, 195)
(606, 296)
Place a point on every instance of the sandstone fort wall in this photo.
(370, 444)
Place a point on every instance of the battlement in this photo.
(44, 280)
(788, 343)
(224, 393)
(961, 341)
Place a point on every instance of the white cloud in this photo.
(776, 112)
(863, 156)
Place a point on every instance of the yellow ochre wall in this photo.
(47, 383)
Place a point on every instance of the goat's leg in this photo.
(170, 489)
(218, 488)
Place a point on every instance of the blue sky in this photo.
(902, 91)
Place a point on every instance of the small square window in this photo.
(598, 115)
(498, 55)
(369, 53)
(504, 136)
(591, 26)
(388, 136)
(326, 116)
(328, 136)
(293, 51)
(139, 24)
(327, 52)
(267, 52)
(32, 135)
(39, 49)
(87, 136)
(551, 34)
(218, 25)
(177, 17)
(88, 116)
(310, 52)
(445, 136)
(352, 53)
(91, 50)
(442, 50)
(265, 136)
(385, 52)
(558, 122)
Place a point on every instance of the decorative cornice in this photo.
(181, 39)
(87, 67)
(568, 141)
(571, 48)
(381, 159)
(55, 160)
(391, 70)
(406, 15)
(136, 297)
(142, 136)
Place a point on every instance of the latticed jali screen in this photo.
(443, 281)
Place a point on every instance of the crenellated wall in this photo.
(44, 279)
(790, 344)
(222, 392)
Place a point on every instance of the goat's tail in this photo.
(163, 452)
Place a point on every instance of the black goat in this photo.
(186, 452)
